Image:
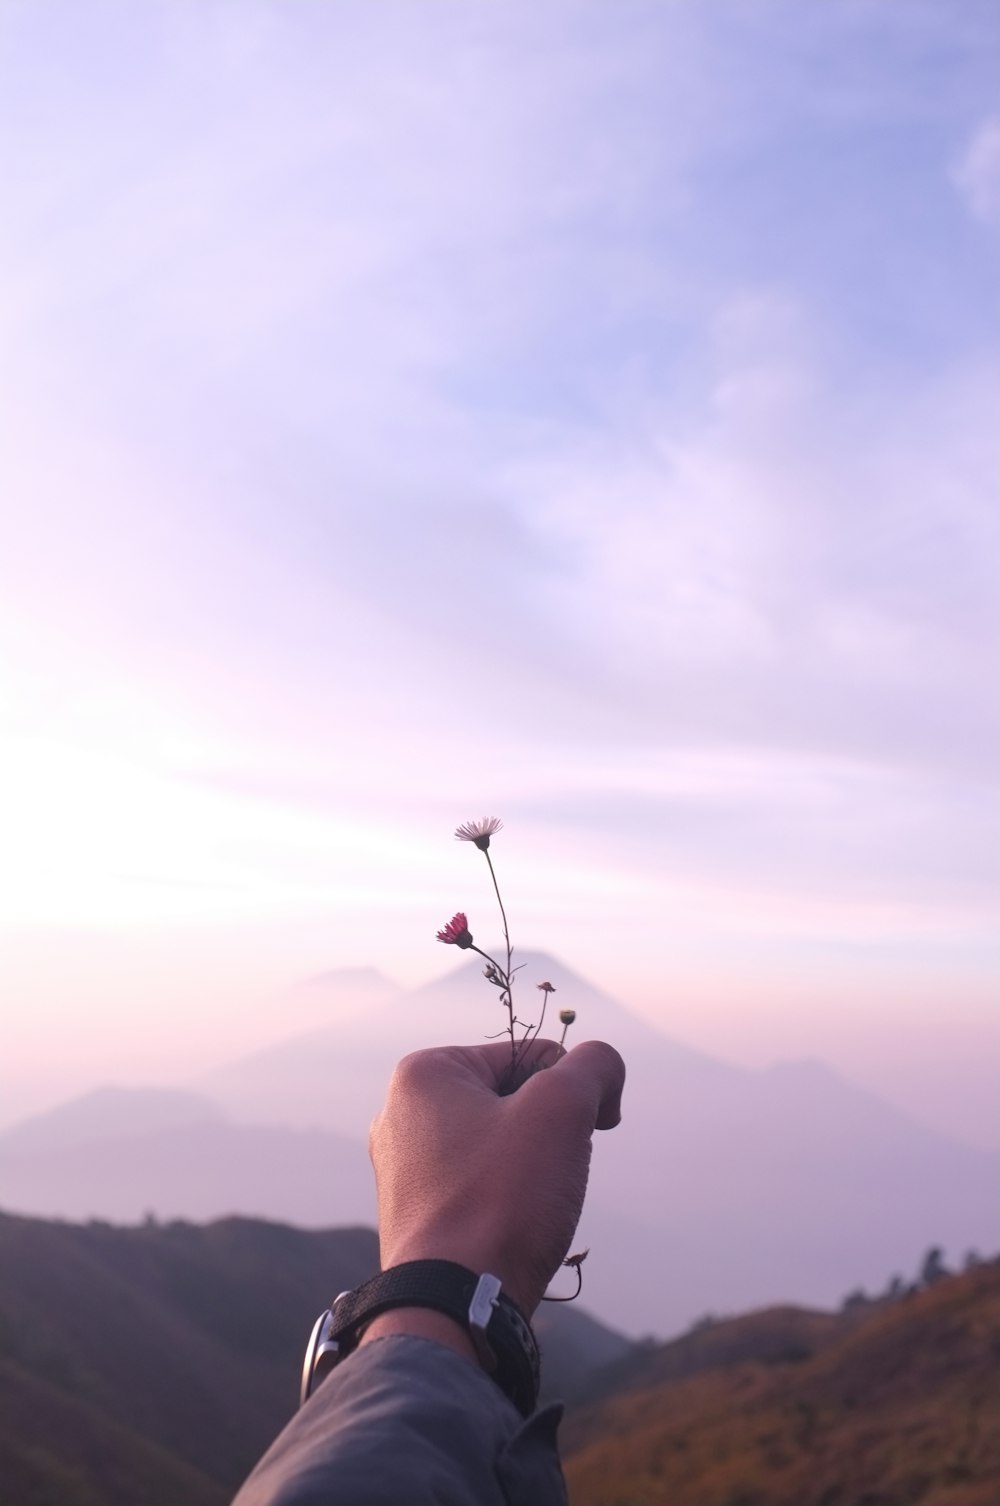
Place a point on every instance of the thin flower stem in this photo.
(486, 956)
(506, 937)
(537, 1029)
(503, 912)
(541, 1017)
(505, 998)
(573, 1297)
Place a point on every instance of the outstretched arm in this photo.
(494, 1184)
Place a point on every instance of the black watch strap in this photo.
(500, 1333)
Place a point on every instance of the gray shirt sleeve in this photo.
(407, 1422)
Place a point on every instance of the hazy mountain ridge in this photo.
(150, 1365)
(107, 1112)
(745, 1188)
(292, 1080)
(200, 1170)
(771, 1336)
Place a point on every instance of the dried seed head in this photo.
(479, 831)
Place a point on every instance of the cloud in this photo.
(794, 563)
(977, 173)
(511, 398)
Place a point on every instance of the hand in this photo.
(494, 1183)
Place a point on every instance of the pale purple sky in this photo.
(577, 411)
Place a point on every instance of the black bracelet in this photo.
(500, 1333)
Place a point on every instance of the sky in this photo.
(575, 412)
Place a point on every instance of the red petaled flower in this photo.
(479, 831)
(456, 932)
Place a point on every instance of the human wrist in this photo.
(474, 1306)
(477, 1253)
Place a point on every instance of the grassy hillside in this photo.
(150, 1365)
(58, 1451)
(891, 1405)
(154, 1364)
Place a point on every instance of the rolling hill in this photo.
(153, 1365)
(146, 1366)
(892, 1404)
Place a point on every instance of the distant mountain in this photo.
(111, 1113)
(894, 1404)
(723, 1189)
(334, 1075)
(196, 1170)
(574, 1347)
(153, 1365)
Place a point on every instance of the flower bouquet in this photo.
(457, 933)
(501, 976)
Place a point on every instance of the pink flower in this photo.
(456, 932)
(479, 831)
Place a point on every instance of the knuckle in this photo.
(411, 1070)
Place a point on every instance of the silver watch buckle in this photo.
(322, 1352)
(484, 1301)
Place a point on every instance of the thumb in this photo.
(596, 1073)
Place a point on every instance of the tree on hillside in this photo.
(933, 1268)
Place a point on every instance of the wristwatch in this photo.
(501, 1335)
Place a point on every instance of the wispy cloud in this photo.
(585, 409)
(977, 172)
